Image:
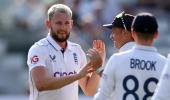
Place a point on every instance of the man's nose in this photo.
(63, 26)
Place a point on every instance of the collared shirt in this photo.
(162, 91)
(47, 53)
(127, 46)
(131, 75)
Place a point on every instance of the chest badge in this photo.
(75, 58)
(53, 58)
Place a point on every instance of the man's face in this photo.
(117, 37)
(60, 26)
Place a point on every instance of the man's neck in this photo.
(145, 43)
(62, 44)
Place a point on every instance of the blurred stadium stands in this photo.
(22, 23)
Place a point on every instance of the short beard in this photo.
(57, 38)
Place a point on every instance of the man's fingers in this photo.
(94, 42)
(103, 45)
(92, 52)
(97, 43)
(91, 70)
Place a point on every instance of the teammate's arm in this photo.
(89, 84)
(162, 91)
(107, 82)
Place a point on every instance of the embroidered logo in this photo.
(34, 59)
(52, 57)
(75, 58)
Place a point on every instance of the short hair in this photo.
(145, 25)
(59, 8)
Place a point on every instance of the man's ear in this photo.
(48, 24)
(72, 23)
(133, 34)
(156, 34)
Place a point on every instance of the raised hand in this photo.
(95, 58)
(99, 45)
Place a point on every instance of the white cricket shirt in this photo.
(127, 46)
(162, 91)
(47, 53)
(131, 75)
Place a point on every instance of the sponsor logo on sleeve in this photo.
(34, 59)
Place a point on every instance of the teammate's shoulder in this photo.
(115, 55)
(120, 55)
(124, 53)
(162, 57)
(168, 56)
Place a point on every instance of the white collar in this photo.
(145, 48)
(54, 44)
(127, 46)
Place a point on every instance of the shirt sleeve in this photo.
(36, 57)
(107, 82)
(162, 91)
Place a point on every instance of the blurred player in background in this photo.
(55, 64)
(133, 74)
(162, 91)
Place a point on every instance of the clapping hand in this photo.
(97, 54)
(100, 46)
